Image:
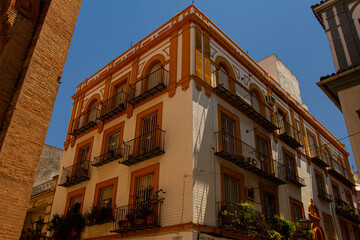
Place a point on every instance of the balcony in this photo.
(319, 156)
(347, 211)
(75, 174)
(241, 218)
(146, 146)
(113, 106)
(85, 122)
(243, 99)
(138, 216)
(101, 214)
(341, 173)
(234, 150)
(148, 86)
(109, 156)
(41, 188)
(322, 194)
(293, 178)
(289, 134)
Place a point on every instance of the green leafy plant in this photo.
(67, 227)
(98, 215)
(282, 226)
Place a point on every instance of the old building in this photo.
(340, 20)
(34, 39)
(42, 194)
(184, 125)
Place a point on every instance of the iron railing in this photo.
(346, 210)
(324, 195)
(140, 215)
(148, 86)
(41, 188)
(319, 156)
(85, 121)
(289, 134)
(102, 214)
(75, 174)
(249, 158)
(113, 105)
(247, 101)
(146, 146)
(109, 156)
(292, 177)
(342, 173)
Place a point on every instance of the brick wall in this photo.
(31, 65)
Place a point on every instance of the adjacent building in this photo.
(341, 22)
(34, 39)
(43, 191)
(183, 126)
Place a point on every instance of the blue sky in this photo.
(289, 29)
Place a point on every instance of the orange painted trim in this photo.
(105, 184)
(95, 98)
(107, 132)
(72, 194)
(150, 63)
(310, 134)
(293, 201)
(153, 169)
(285, 118)
(270, 190)
(234, 175)
(185, 58)
(230, 71)
(173, 62)
(107, 88)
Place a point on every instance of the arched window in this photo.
(255, 101)
(327, 155)
(223, 77)
(154, 77)
(92, 113)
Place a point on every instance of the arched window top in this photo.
(155, 67)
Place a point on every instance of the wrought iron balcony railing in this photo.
(295, 179)
(319, 156)
(113, 106)
(289, 134)
(342, 173)
(148, 86)
(347, 211)
(77, 173)
(249, 158)
(138, 216)
(146, 146)
(41, 188)
(322, 194)
(103, 213)
(233, 91)
(84, 122)
(109, 156)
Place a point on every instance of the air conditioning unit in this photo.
(254, 161)
(270, 100)
(250, 193)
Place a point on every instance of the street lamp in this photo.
(305, 224)
(37, 227)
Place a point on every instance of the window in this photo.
(327, 155)
(148, 134)
(105, 193)
(356, 232)
(75, 200)
(297, 209)
(111, 145)
(92, 113)
(298, 135)
(344, 230)
(348, 197)
(255, 102)
(81, 167)
(320, 183)
(312, 145)
(144, 183)
(228, 131)
(223, 77)
(291, 168)
(154, 77)
(84, 154)
(336, 191)
(282, 116)
(119, 93)
(112, 141)
(263, 152)
(329, 226)
(232, 189)
(269, 201)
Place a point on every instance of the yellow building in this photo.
(184, 125)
